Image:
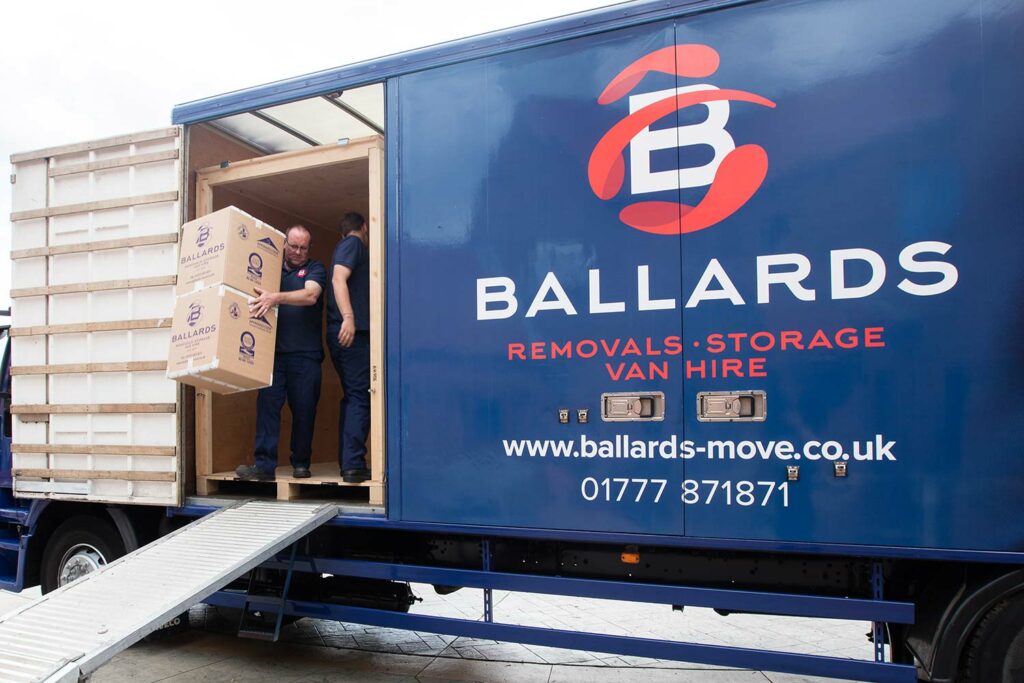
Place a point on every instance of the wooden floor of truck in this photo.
(325, 482)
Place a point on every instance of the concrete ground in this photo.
(313, 651)
(318, 651)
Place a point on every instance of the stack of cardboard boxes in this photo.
(215, 343)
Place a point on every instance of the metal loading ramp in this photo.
(69, 633)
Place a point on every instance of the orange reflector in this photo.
(630, 558)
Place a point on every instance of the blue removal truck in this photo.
(695, 303)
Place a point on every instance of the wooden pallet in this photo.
(324, 482)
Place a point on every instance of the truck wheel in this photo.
(995, 652)
(79, 546)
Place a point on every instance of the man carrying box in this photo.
(297, 359)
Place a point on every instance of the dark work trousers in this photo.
(297, 379)
(353, 366)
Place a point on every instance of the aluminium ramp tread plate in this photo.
(67, 634)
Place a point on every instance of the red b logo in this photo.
(732, 176)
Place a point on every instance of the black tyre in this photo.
(78, 546)
(995, 652)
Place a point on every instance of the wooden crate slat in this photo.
(91, 408)
(100, 205)
(94, 286)
(78, 368)
(116, 141)
(75, 328)
(93, 449)
(144, 241)
(95, 474)
(285, 162)
(120, 162)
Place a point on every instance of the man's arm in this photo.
(339, 280)
(264, 301)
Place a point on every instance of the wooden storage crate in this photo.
(94, 250)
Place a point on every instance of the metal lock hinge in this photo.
(839, 469)
(792, 472)
(582, 416)
(648, 406)
(563, 416)
(732, 406)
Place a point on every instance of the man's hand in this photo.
(262, 302)
(347, 332)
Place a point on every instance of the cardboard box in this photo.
(215, 345)
(229, 247)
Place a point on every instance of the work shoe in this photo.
(250, 473)
(300, 473)
(355, 476)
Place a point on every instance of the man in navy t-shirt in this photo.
(297, 359)
(348, 339)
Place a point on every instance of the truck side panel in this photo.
(894, 170)
(802, 199)
(496, 197)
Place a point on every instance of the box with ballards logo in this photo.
(230, 247)
(217, 345)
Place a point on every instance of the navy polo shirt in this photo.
(353, 254)
(299, 328)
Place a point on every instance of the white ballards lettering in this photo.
(766, 277)
(596, 305)
(506, 296)
(725, 290)
(909, 264)
(496, 296)
(644, 302)
(840, 257)
(560, 303)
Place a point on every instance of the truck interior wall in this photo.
(234, 415)
(208, 147)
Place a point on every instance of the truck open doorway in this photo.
(313, 187)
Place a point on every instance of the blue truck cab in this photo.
(699, 303)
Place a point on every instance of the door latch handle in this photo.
(732, 406)
(633, 406)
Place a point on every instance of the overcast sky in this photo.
(73, 71)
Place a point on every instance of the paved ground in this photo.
(315, 651)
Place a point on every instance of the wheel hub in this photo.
(78, 561)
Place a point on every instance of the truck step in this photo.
(83, 624)
(10, 555)
(258, 634)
